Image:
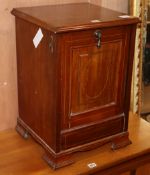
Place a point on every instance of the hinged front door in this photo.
(95, 76)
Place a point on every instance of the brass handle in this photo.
(98, 36)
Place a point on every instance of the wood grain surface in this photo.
(23, 157)
(71, 17)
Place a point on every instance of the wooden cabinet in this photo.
(74, 86)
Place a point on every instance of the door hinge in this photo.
(51, 44)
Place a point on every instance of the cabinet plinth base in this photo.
(58, 162)
(64, 157)
(121, 141)
(22, 131)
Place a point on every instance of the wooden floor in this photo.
(23, 157)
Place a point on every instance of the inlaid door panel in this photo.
(95, 78)
(94, 74)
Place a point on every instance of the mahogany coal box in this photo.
(74, 64)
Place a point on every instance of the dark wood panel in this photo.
(90, 133)
(37, 82)
(94, 82)
(95, 78)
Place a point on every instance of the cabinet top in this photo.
(71, 17)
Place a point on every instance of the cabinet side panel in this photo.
(129, 72)
(37, 82)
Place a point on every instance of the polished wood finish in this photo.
(20, 156)
(72, 17)
(74, 88)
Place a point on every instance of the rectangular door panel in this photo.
(95, 78)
